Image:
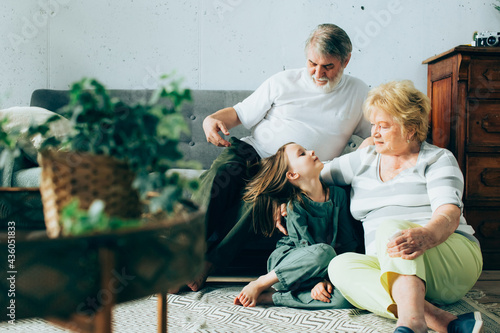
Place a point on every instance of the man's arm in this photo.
(222, 120)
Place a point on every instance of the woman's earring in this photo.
(408, 141)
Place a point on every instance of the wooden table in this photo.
(76, 281)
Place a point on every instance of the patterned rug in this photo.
(212, 310)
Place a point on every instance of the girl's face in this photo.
(387, 134)
(303, 162)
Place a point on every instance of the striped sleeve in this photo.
(341, 170)
(445, 182)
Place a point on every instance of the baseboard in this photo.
(231, 279)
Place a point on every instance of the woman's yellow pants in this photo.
(448, 270)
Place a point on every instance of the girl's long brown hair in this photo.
(269, 189)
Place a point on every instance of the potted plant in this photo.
(97, 175)
(114, 158)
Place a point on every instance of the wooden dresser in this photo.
(464, 87)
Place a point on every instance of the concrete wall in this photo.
(219, 44)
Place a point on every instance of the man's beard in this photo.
(330, 86)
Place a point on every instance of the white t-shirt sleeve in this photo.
(255, 107)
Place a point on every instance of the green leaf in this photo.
(145, 135)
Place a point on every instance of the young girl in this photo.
(317, 221)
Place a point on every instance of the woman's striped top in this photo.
(413, 195)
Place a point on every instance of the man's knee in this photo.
(228, 176)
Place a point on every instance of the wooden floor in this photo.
(489, 283)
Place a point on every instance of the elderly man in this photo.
(317, 107)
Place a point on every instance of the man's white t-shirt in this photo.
(287, 107)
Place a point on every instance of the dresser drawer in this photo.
(484, 77)
(484, 122)
(482, 177)
(486, 224)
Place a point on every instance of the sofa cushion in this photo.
(21, 117)
(29, 177)
(204, 102)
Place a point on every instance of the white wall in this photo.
(219, 44)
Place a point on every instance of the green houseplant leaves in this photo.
(144, 135)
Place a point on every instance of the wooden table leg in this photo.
(162, 312)
(103, 317)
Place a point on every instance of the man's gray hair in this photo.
(329, 39)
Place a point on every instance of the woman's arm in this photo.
(414, 242)
(444, 188)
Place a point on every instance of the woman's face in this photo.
(303, 162)
(387, 134)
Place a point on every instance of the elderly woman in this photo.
(407, 194)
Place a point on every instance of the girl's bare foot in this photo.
(199, 282)
(250, 294)
(266, 297)
(256, 291)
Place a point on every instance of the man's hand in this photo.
(211, 127)
(279, 213)
(221, 121)
(322, 291)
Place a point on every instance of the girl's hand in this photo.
(322, 291)
(411, 244)
(279, 213)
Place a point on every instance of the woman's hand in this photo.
(279, 213)
(411, 244)
(415, 241)
(322, 291)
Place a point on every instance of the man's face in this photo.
(325, 71)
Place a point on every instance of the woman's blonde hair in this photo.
(270, 188)
(407, 105)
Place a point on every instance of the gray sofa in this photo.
(24, 172)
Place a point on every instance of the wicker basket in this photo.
(69, 175)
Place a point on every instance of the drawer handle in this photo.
(489, 229)
(491, 177)
(492, 75)
(491, 123)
